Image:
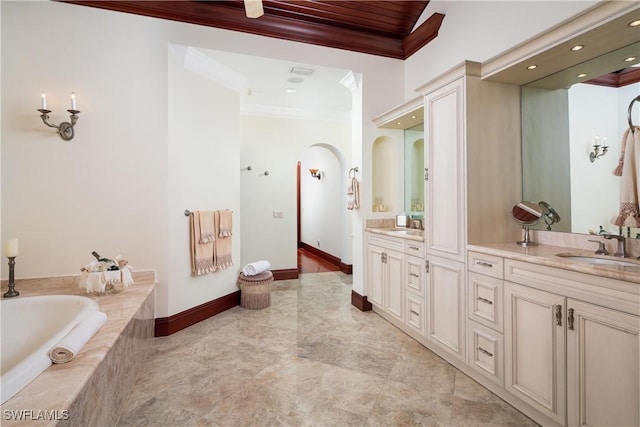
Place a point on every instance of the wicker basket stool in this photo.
(255, 290)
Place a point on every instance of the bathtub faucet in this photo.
(12, 284)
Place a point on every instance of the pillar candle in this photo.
(11, 247)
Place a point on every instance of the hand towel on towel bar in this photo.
(222, 245)
(629, 214)
(226, 223)
(206, 226)
(353, 194)
(256, 267)
(69, 346)
(201, 253)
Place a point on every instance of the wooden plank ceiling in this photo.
(379, 27)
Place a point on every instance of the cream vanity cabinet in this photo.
(465, 118)
(415, 284)
(396, 280)
(485, 337)
(572, 344)
(385, 274)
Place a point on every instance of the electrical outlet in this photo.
(278, 214)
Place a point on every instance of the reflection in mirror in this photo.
(414, 170)
(562, 122)
(385, 171)
(527, 214)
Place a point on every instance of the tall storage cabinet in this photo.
(466, 118)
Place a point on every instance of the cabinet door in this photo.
(535, 348)
(446, 306)
(375, 275)
(395, 284)
(603, 384)
(444, 139)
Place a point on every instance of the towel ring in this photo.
(354, 170)
(636, 99)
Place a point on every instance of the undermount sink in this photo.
(411, 232)
(598, 260)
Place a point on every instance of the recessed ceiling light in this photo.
(634, 23)
(291, 90)
(414, 117)
(581, 75)
(577, 47)
(532, 67)
(630, 59)
(398, 123)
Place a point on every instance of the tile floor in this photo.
(311, 359)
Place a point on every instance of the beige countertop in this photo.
(403, 233)
(546, 255)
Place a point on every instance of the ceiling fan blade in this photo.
(253, 8)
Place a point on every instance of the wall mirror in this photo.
(564, 116)
(407, 122)
(414, 170)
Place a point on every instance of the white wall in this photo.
(203, 173)
(106, 189)
(276, 145)
(323, 202)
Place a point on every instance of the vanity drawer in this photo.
(486, 354)
(413, 247)
(414, 268)
(415, 313)
(392, 243)
(485, 300)
(490, 265)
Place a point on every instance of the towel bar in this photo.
(187, 212)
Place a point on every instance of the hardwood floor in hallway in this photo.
(311, 263)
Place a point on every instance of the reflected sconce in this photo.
(65, 129)
(596, 153)
(316, 173)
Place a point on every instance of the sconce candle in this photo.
(65, 129)
(11, 248)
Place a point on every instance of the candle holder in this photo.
(12, 284)
(65, 129)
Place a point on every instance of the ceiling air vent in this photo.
(301, 71)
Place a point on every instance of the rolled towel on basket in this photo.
(256, 267)
(69, 346)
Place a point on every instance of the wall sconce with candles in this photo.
(65, 129)
(316, 173)
(596, 154)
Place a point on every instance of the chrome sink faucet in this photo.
(621, 250)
